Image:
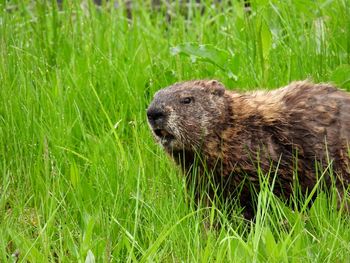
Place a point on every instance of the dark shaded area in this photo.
(130, 5)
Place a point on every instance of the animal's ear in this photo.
(215, 87)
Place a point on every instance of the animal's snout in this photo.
(155, 115)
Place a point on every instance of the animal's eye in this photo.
(186, 100)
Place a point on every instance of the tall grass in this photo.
(80, 176)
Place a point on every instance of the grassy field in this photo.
(81, 179)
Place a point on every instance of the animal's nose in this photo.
(155, 114)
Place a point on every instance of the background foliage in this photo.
(80, 176)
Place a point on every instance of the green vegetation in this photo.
(81, 179)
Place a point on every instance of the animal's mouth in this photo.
(164, 136)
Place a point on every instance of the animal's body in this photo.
(235, 133)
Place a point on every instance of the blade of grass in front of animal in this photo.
(164, 234)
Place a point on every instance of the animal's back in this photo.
(298, 128)
(319, 118)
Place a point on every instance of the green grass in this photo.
(80, 175)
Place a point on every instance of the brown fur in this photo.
(235, 133)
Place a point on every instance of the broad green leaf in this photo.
(208, 53)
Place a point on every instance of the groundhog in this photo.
(295, 134)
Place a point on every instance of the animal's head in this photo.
(181, 116)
